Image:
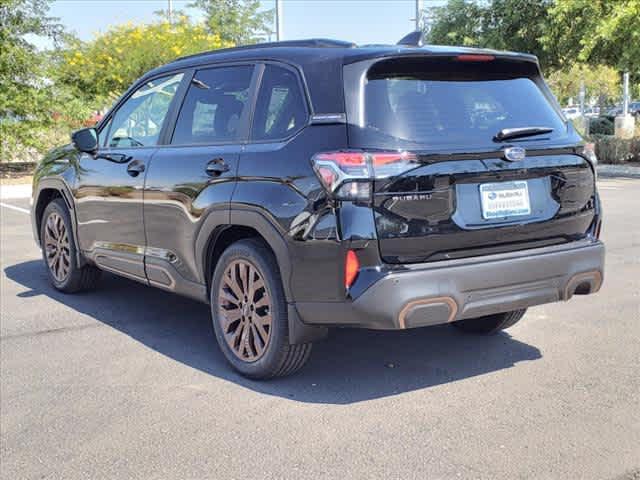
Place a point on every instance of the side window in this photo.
(102, 136)
(138, 121)
(280, 110)
(213, 107)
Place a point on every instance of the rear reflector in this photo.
(351, 268)
(475, 58)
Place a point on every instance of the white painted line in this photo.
(15, 191)
(12, 207)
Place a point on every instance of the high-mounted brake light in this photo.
(348, 175)
(475, 58)
(351, 268)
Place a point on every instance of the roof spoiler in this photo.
(414, 39)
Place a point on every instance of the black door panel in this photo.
(109, 210)
(196, 174)
(179, 193)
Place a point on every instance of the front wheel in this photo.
(59, 251)
(490, 324)
(250, 313)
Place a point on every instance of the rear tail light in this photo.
(349, 175)
(589, 151)
(351, 268)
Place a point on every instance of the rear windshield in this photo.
(450, 105)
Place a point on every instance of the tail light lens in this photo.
(351, 268)
(349, 175)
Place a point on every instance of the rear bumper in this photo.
(431, 294)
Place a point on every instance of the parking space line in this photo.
(13, 207)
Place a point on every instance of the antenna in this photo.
(414, 39)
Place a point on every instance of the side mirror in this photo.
(85, 140)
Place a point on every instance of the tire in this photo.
(490, 324)
(249, 313)
(56, 238)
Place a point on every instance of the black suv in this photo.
(303, 185)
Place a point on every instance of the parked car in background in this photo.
(615, 111)
(571, 112)
(302, 185)
(591, 112)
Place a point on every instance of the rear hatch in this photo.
(493, 165)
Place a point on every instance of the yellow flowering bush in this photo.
(101, 69)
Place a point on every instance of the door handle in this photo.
(216, 167)
(135, 168)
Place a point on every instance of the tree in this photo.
(101, 69)
(26, 96)
(601, 83)
(500, 24)
(457, 23)
(596, 32)
(238, 22)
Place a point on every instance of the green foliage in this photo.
(601, 82)
(500, 24)
(28, 101)
(238, 22)
(596, 31)
(457, 23)
(101, 69)
(601, 126)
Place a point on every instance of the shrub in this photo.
(601, 126)
(614, 150)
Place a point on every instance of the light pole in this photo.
(418, 14)
(170, 11)
(279, 32)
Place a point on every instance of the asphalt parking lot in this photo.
(127, 382)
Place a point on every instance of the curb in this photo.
(618, 171)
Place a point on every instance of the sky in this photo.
(359, 21)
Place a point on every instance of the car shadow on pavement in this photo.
(350, 366)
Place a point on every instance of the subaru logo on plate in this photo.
(515, 154)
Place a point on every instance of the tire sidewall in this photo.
(58, 207)
(261, 259)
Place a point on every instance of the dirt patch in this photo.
(19, 180)
(16, 172)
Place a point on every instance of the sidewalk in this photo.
(624, 170)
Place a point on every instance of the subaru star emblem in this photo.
(514, 154)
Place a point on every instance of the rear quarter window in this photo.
(280, 108)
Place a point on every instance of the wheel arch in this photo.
(217, 234)
(47, 190)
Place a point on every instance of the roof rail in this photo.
(311, 42)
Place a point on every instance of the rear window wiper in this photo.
(508, 133)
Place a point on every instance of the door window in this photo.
(280, 110)
(214, 106)
(138, 122)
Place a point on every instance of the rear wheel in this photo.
(490, 324)
(59, 251)
(250, 313)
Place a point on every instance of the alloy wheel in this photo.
(245, 310)
(57, 247)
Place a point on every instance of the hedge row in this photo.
(614, 150)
